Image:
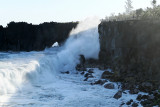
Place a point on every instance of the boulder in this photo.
(118, 95)
(106, 75)
(80, 67)
(82, 73)
(134, 91)
(139, 97)
(129, 102)
(90, 71)
(109, 86)
(144, 96)
(101, 82)
(134, 104)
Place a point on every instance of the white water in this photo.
(34, 79)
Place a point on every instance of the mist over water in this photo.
(83, 40)
(41, 67)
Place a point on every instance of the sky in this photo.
(39, 11)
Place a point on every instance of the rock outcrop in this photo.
(132, 49)
(27, 37)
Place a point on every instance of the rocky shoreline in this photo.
(152, 98)
(131, 49)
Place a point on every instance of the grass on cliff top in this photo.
(139, 14)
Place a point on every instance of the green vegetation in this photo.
(150, 13)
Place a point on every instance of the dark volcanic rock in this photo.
(122, 104)
(134, 91)
(27, 37)
(139, 97)
(82, 73)
(85, 79)
(144, 96)
(109, 86)
(90, 71)
(82, 59)
(81, 65)
(131, 48)
(101, 82)
(118, 95)
(67, 72)
(106, 75)
(146, 103)
(129, 102)
(134, 105)
(87, 74)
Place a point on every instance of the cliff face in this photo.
(132, 48)
(27, 37)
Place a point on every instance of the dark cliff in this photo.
(132, 49)
(27, 37)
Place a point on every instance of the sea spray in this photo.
(41, 67)
(84, 39)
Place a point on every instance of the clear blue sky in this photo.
(38, 11)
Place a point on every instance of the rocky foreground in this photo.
(132, 50)
(151, 98)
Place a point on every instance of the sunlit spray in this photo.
(84, 39)
(41, 67)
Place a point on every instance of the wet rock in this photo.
(101, 82)
(124, 93)
(80, 67)
(109, 86)
(118, 95)
(86, 75)
(82, 59)
(67, 72)
(145, 97)
(106, 74)
(85, 79)
(139, 97)
(127, 86)
(90, 71)
(82, 73)
(122, 104)
(129, 102)
(134, 91)
(134, 104)
(146, 103)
